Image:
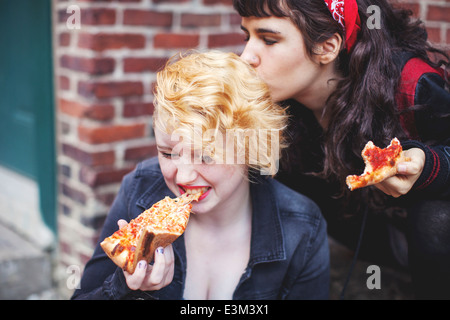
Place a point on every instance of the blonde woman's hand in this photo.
(408, 173)
(148, 277)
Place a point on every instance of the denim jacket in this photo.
(289, 255)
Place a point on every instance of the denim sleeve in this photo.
(313, 282)
(102, 279)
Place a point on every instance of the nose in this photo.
(249, 56)
(186, 173)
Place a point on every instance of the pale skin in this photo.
(217, 238)
(275, 49)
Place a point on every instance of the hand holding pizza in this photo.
(152, 277)
(408, 172)
(392, 170)
(149, 237)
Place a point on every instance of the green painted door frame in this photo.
(27, 139)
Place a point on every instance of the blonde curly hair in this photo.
(217, 99)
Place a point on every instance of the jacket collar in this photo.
(267, 243)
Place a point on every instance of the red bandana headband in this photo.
(345, 12)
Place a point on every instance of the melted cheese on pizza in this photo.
(167, 214)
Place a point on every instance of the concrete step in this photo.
(24, 269)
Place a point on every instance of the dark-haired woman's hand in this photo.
(408, 173)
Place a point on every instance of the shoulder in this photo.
(415, 73)
(145, 184)
(148, 169)
(294, 206)
(148, 166)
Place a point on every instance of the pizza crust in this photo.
(149, 241)
(114, 252)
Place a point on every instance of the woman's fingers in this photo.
(135, 280)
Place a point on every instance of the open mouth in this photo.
(194, 190)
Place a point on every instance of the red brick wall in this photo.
(436, 16)
(104, 74)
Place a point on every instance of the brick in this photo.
(438, 13)
(143, 64)
(225, 40)
(106, 198)
(65, 128)
(214, 2)
(63, 83)
(434, 34)
(89, 158)
(91, 16)
(64, 39)
(171, 1)
(95, 222)
(107, 41)
(111, 133)
(65, 247)
(147, 18)
(66, 210)
(110, 89)
(98, 177)
(96, 0)
(73, 193)
(94, 66)
(72, 108)
(100, 112)
(189, 20)
(141, 153)
(235, 19)
(79, 110)
(176, 40)
(98, 16)
(137, 109)
(414, 7)
(65, 170)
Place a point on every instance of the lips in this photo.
(194, 190)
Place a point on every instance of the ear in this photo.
(328, 50)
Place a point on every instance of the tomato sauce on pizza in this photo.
(380, 164)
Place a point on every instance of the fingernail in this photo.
(142, 264)
(401, 168)
(160, 250)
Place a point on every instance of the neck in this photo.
(229, 214)
(316, 97)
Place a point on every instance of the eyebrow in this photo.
(261, 30)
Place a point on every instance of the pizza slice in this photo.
(380, 164)
(156, 227)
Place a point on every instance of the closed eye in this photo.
(264, 34)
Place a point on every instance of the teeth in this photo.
(196, 190)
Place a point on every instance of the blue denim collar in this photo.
(267, 243)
